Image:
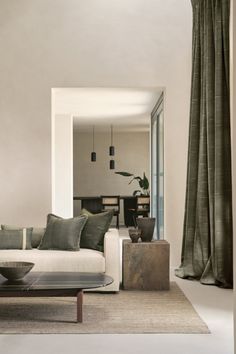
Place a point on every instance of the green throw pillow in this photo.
(94, 231)
(37, 236)
(62, 234)
(15, 239)
(37, 233)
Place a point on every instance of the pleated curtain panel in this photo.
(207, 237)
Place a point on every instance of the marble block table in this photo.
(146, 265)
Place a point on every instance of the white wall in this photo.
(125, 43)
(95, 178)
(62, 165)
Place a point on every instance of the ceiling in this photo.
(128, 109)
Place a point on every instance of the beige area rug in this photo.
(125, 312)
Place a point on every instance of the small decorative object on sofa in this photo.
(15, 270)
(146, 225)
(134, 234)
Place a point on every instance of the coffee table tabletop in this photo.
(56, 280)
(40, 284)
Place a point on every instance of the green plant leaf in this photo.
(131, 181)
(145, 182)
(135, 178)
(141, 183)
(138, 178)
(125, 174)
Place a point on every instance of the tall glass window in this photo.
(157, 169)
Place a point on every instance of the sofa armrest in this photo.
(112, 258)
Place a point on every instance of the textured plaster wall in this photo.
(73, 43)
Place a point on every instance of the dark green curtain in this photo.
(207, 236)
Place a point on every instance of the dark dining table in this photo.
(94, 205)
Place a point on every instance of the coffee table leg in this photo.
(80, 306)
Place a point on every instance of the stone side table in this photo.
(146, 265)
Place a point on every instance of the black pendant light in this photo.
(112, 164)
(111, 147)
(93, 153)
(112, 151)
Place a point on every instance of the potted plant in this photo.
(142, 181)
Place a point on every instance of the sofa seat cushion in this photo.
(85, 260)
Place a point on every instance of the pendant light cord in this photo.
(93, 138)
(111, 135)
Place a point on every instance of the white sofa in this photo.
(85, 260)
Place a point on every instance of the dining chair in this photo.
(112, 202)
(142, 207)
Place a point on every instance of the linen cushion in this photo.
(37, 236)
(62, 234)
(96, 226)
(37, 233)
(16, 239)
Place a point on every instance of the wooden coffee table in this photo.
(49, 284)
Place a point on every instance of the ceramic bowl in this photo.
(15, 270)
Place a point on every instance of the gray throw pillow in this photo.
(37, 236)
(94, 231)
(37, 233)
(62, 234)
(15, 239)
